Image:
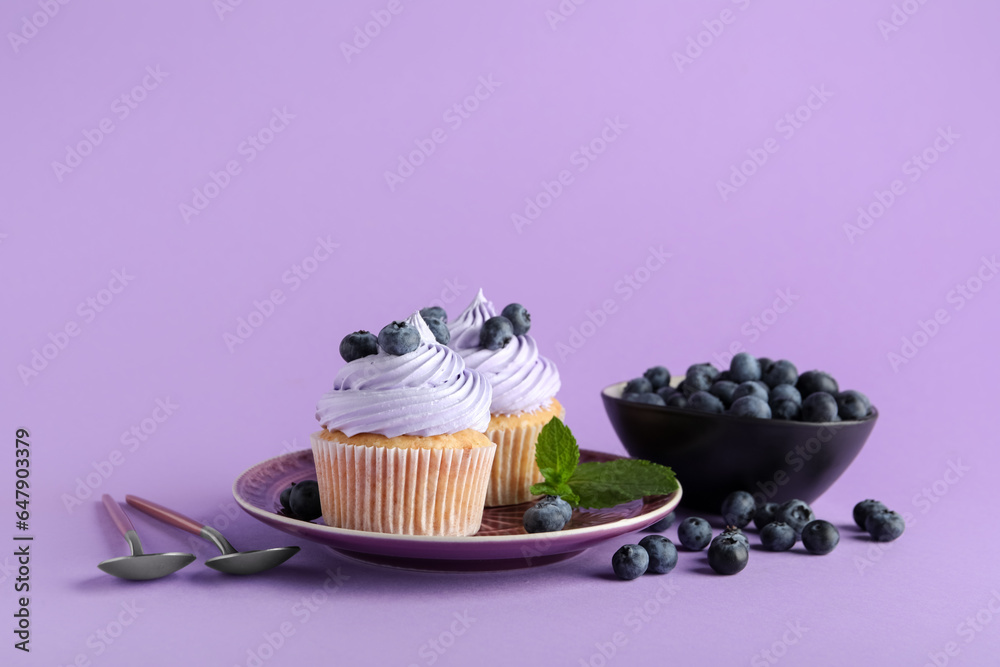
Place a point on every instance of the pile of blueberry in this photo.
(779, 526)
(752, 387)
(497, 331)
(302, 500)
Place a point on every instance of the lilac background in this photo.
(447, 230)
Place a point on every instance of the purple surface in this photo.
(640, 230)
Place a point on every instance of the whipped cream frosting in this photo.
(428, 391)
(522, 379)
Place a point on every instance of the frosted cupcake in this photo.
(401, 449)
(524, 388)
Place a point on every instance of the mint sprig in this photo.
(595, 484)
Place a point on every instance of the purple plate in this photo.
(500, 544)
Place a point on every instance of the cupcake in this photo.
(401, 449)
(524, 388)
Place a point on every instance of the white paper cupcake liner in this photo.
(514, 469)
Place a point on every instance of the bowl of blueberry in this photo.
(759, 425)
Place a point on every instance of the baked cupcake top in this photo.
(426, 391)
(522, 379)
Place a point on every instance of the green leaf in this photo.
(562, 490)
(620, 481)
(556, 452)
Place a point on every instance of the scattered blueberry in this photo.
(723, 390)
(812, 381)
(785, 409)
(439, 329)
(780, 372)
(496, 333)
(820, 537)
(750, 406)
(885, 525)
(819, 407)
(357, 345)
(398, 338)
(647, 397)
(777, 536)
(303, 501)
(519, 318)
(865, 508)
(764, 515)
(694, 533)
(786, 392)
(852, 405)
(705, 402)
(738, 508)
(544, 518)
(638, 386)
(435, 312)
(677, 400)
(728, 555)
(751, 388)
(732, 532)
(658, 376)
(744, 367)
(564, 507)
(664, 523)
(285, 497)
(662, 553)
(796, 513)
(630, 562)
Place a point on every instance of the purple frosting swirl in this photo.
(522, 379)
(425, 392)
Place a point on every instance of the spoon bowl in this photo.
(251, 562)
(146, 566)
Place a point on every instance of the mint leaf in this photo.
(556, 453)
(620, 481)
(562, 490)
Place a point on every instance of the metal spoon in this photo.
(138, 566)
(231, 561)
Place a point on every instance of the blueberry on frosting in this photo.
(434, 312)
(357, 345)
(496, 333)
(398, 338)
(438, 328)
(519, 318)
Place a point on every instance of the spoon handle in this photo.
(122, 522)
(169, 516)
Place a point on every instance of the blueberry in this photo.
(666, 392)
(723, 390)
(765, 363)
(435, 312)
(303, 501)
(820, 537)
(496, 333)
(700, 381)
(662, 553)
(764, 515)
(357, 345)
(752, 388)
(725, 375)
(786, 392)
(852, 405)
(819, 407)
(519, 318)
(777, 536)
(732, 532)
(744, 367)
(750, 406)
(638, 386)
(658, 376)
(812, 381)
(865, 508)
(664, 523)
(728, 555)
(885, 525)
(544, 518)
(694, 533)
(286, 496)
(738, 508)
(785, 409)
(705, 402)
(439, 329)
(398, 338)
(703, 369)
(647, 397)
(677, 400)
(780, 372)
(796, 513)
(564, 507)
(630, 562)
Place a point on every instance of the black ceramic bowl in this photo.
(714, 455)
